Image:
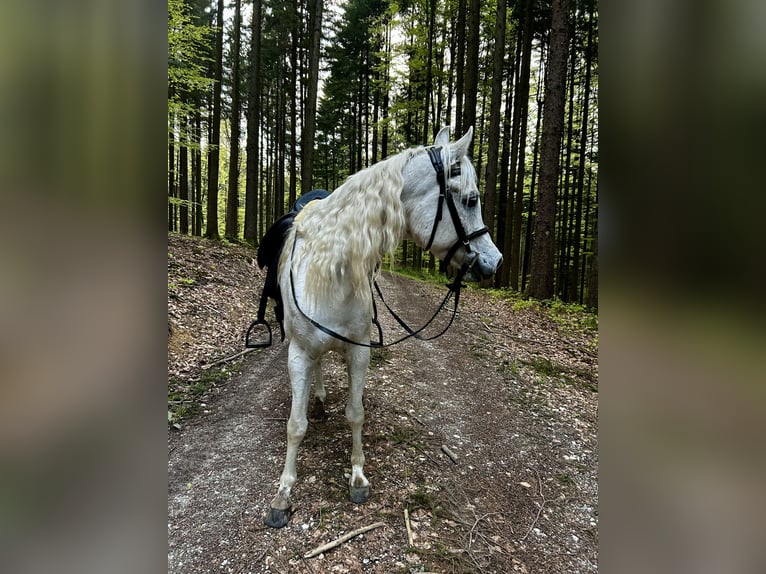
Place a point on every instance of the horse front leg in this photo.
(300, 367)
(357, 359)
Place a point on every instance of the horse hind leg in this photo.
(318, 412)
(300, 368)
(358, 359)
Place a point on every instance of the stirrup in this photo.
(257, 344)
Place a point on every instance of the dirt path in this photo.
(510, 393)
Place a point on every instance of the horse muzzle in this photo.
(481, 267)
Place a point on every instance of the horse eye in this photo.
(471, 201)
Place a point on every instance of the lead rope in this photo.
(454, 289)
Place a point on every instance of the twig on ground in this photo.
(446, 450)
(422, 451)
(410, 540)
(539, 510)
(338, 541)
(476, 522)
(226, 359)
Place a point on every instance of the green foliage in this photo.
(421, 275)
(184, 399)
(187, 61)
(571, 316)
(178, 202)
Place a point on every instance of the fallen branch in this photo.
(476, 522)
(226, 359)
(446, 450)
(410, 540)
(417, 420)
(422, 451)
(539, 510)
(342, 539)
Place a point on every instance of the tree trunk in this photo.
(268, 207)
(562, 283)
(541, 281)
(592, 298)
(386, 97)
(523, 96)
(366, 105)
(507, 239)
(460, 75)
(171, 179)
(215, 140)
(197, 172)
(375, 116)
(309, 125)
(472, 67)
(528, 238)
(581, 167)
(429, 70)
(294, 101)
(183, 176)
(502, 196)
(279, 143)
(253, 123)
(493, 143)
(451, 71)
(232, 199)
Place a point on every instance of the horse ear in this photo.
(462, 146)
(442, 138)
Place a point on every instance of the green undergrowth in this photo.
(573, 317)
(185, 399)
(570, 317)
(419, 275)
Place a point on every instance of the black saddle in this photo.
(269, 252)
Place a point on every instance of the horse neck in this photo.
(348, 233)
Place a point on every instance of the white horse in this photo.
(331, 256)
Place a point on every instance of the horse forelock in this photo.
(344, 237)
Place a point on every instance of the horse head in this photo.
(443, 207)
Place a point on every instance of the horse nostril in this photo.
(499, 263)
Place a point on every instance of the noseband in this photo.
(464, 239)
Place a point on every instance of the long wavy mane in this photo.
(345, 236)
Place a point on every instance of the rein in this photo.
(453, 289)
(464, 240)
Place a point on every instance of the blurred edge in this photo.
(82, 158)
(82, 248)
(681, 310)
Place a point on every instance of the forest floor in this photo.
(511, 390)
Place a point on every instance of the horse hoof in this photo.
(277, 518)
(359, 494)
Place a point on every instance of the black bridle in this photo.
(463, 239)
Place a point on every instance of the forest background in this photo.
(271, 98)
(680, 300)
